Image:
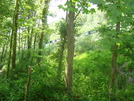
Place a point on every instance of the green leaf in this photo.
(92, 10)
(85, 11)
(62, 7)
(74, 0)
(73, 9)
(96, 1)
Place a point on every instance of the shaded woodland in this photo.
(86, 56)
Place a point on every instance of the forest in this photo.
(85, 55)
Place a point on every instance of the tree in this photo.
(44, 26)
(63, 35)
(70, 17)
(116, 11)
(14, 32)
(70, 48)
(114, 62)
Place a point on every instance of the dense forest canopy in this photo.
(67, 50)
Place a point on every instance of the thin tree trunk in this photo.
(9, 58)
(5, 54)
(19, 45)
(44, 24)
(15, 26)
(113, 64)
(70, 50)
(29, 39)
(34, 43)
(2, 53)
(28, 83)
(29, 45)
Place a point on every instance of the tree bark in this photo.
(70, 50)
(15, 27)
(29, 41)
(28, 83)
(44, 24)
(2, 53)
(113, 63)
(9, 58)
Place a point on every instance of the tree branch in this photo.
(77, 14)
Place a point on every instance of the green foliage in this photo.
(92, 60)
(61, 26)
(90, 76)
(4, 90)
(42, 84)
(76, 6)
(83, 43)
(86, 43)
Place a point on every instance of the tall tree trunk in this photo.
(113, 63)
(19, 45)
(34, 43)
(30, 34)
(5, 53)
(15, 26)
(70, 50)
(44, 24)
(2, 53)
(29, 39)
(9, 57)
